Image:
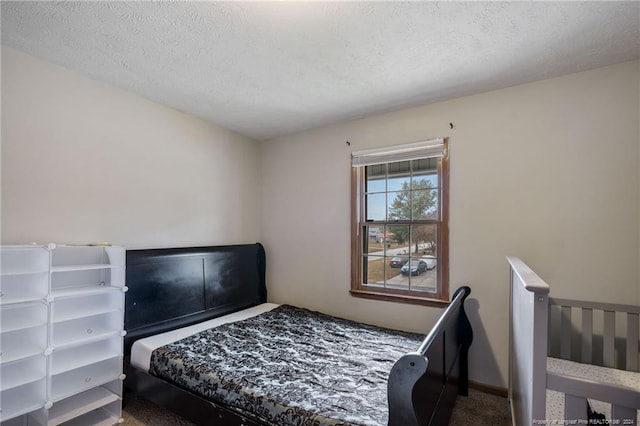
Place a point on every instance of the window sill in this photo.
(399, 298)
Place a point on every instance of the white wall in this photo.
(84, 162)
(546, 171)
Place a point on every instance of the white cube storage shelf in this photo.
(24, 287)
(78, 330)
(25, 398)
(74, 357)
(19, 316)
(61, 329)
(19, 260)
(86, 304)
(85, 402)
(78, 380)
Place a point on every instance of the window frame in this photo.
(358, 224)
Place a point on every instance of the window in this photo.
(399, 223)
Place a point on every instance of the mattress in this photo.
(142, 349)
(555, 400)
(289, 366)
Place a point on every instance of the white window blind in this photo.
(411, 151)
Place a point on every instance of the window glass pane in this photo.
(425, 204)
(380, 240)
(424, 173)
(419, 272)
(393, 266)
(399, 205)
(423, 256)
(376, 185)
(425, 282)
(374, 270)
(400, 281)
(398, 261)
(397, 248)
(424, 181)
(399, 238)
(373, 241)
(375, 206)
(378, 272)
(376, 171)
(424, 166)
(376, 178)
(399, 176)
(423, 240)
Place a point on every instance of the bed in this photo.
(203, 342)
(570, 361)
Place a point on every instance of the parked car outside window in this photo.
(430, 261)
(414, 267)
(398, 262)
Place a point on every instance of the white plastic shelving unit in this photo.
(61, 319)
(24, 313)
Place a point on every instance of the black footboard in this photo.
(423, 385)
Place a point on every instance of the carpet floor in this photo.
(478, 408)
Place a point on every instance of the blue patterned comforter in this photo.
(290, 366)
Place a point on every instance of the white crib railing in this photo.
(624, 401)
(569, 309)
(528, 340)
(529, 306)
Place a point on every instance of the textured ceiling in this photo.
(266, 69)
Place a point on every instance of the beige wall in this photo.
(546, 171)
(84, 162)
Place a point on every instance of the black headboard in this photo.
(176, 287)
